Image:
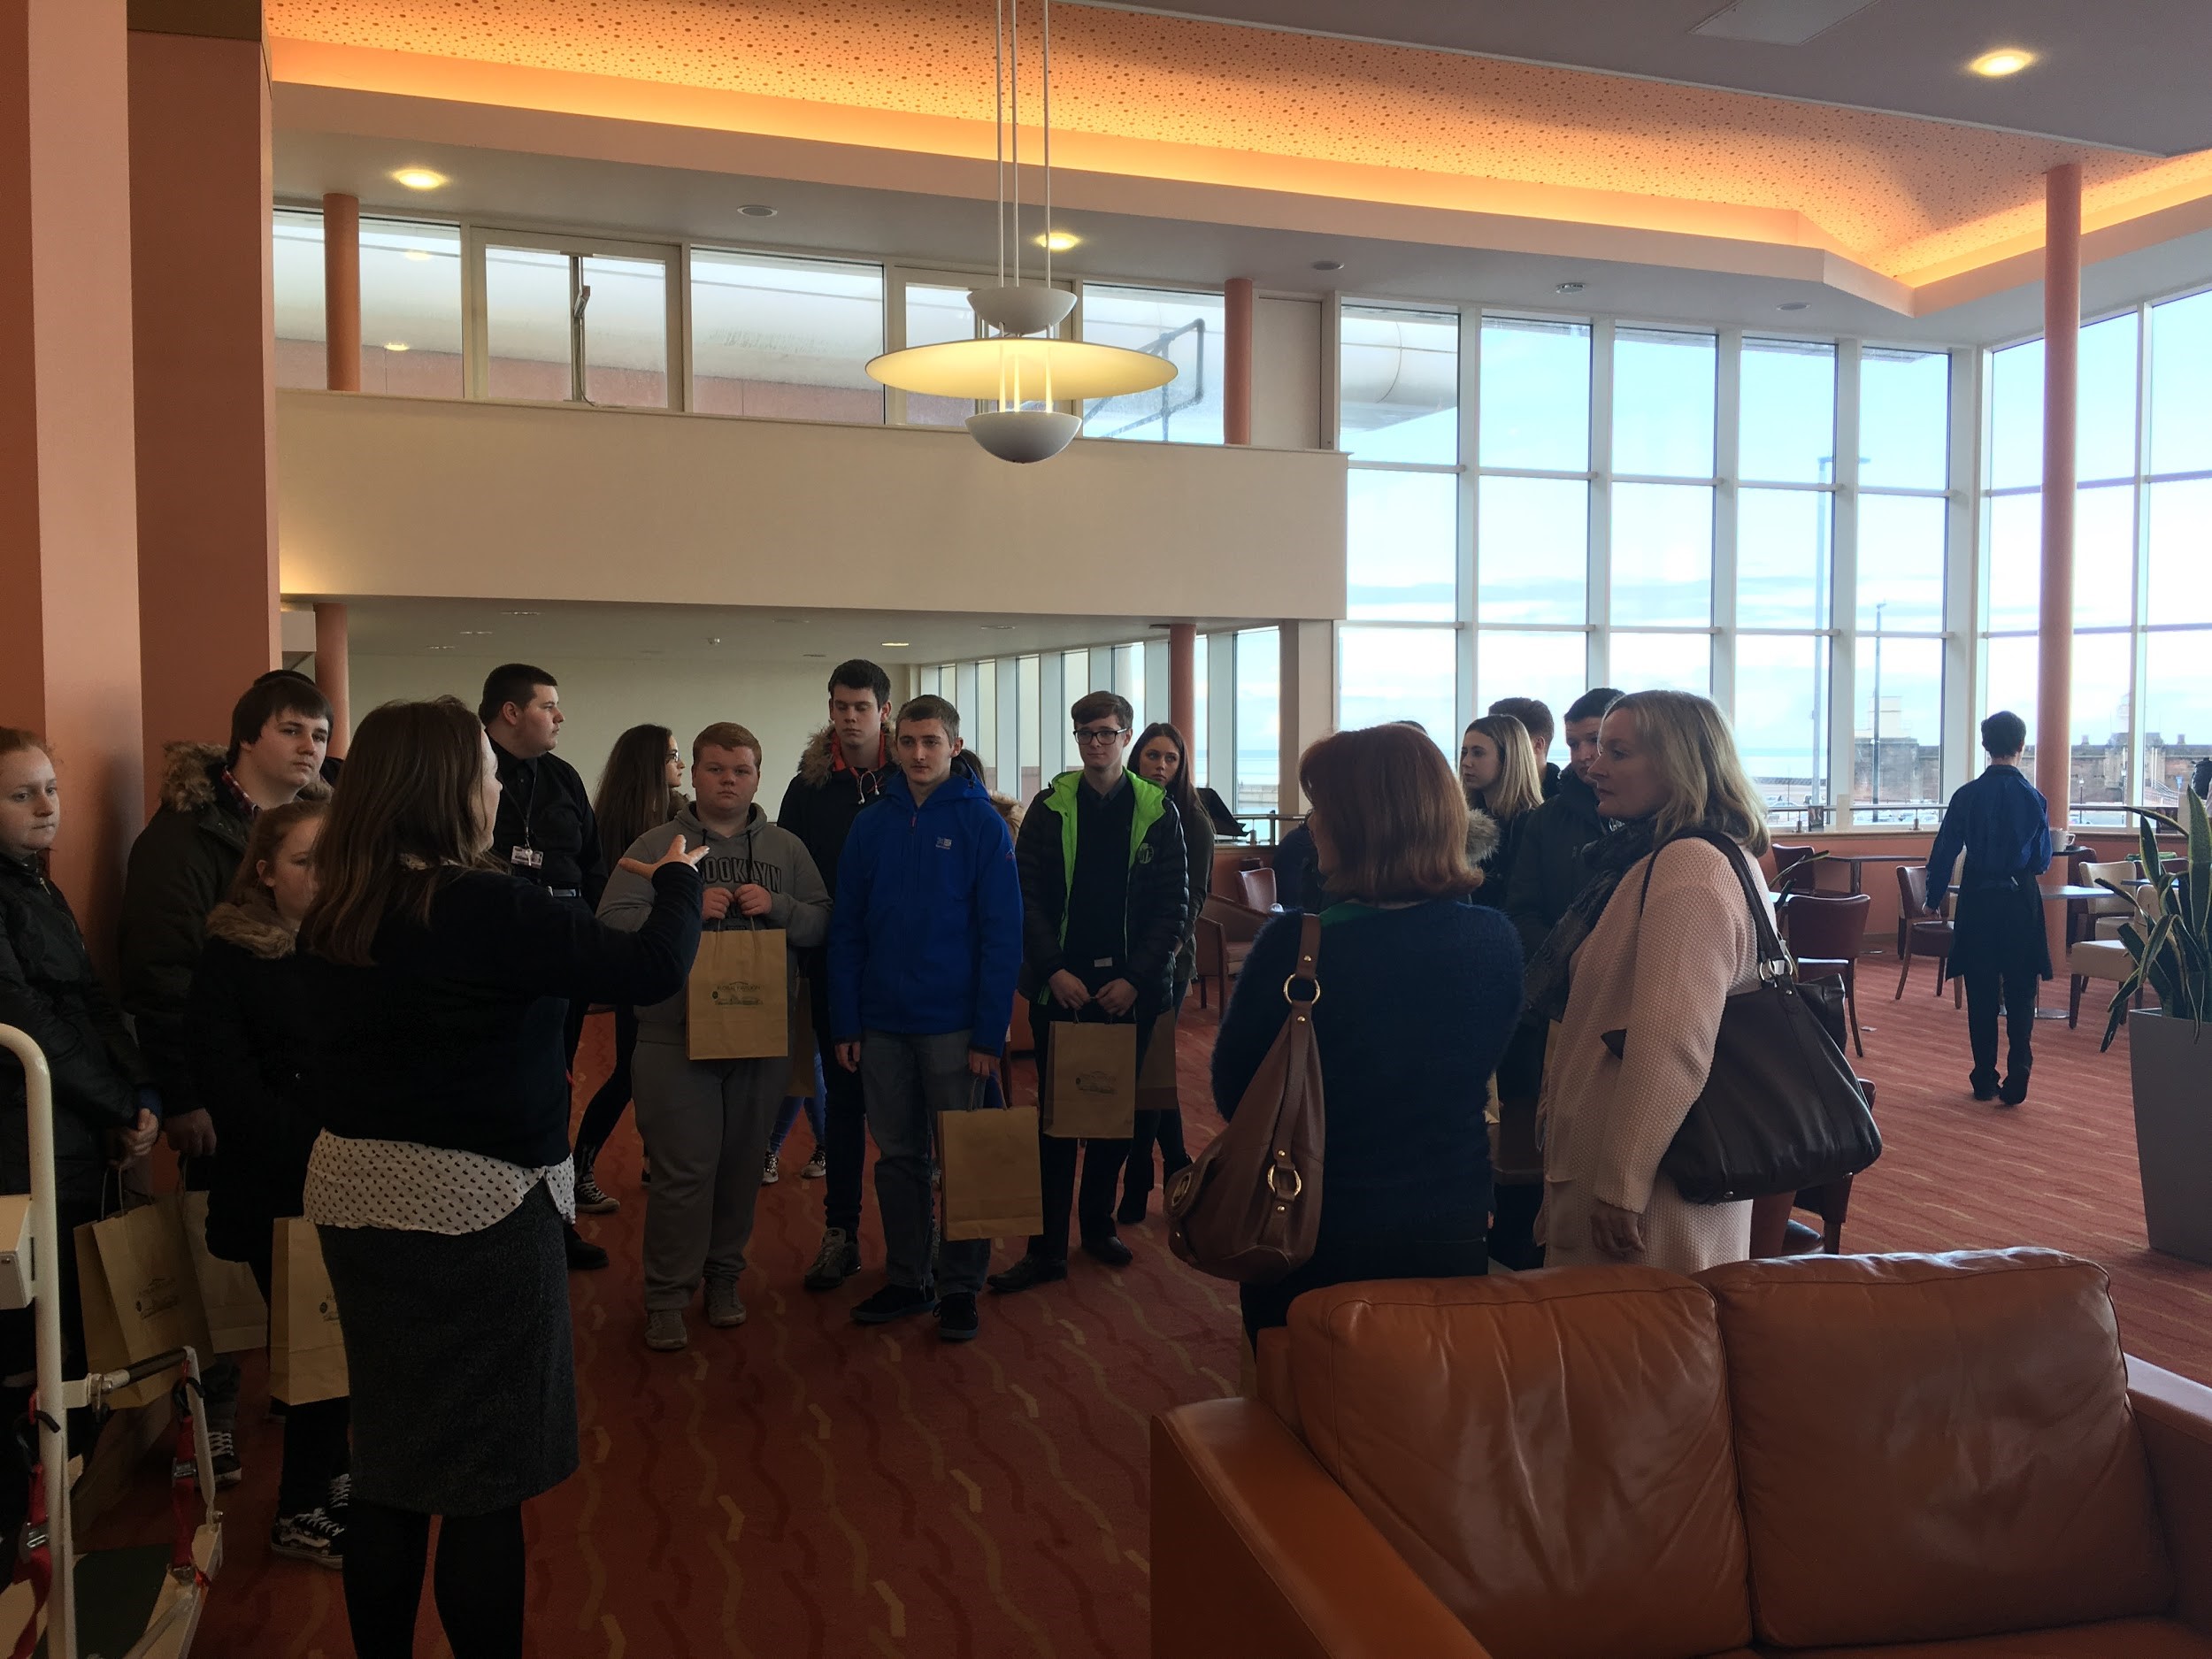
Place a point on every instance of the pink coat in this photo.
(1604, 1123)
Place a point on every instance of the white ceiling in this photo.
(522, 190)
(709, 634)
(2123, 74)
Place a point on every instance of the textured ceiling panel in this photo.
(1901, 195)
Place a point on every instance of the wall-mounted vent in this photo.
(1777, 22)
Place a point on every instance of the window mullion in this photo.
(1727, 452)
(1843, 588)
(1600, 565)
(1467, 559)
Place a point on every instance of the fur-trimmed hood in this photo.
(1482, 836)
(817, 761)
(253, 928)
(189, 776)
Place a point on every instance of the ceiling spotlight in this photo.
(476, 634)
(521, 613)
(757, 210)
(1328, 265)
(395, 345)
(1058, 240)
(896, 645)
(419, 178)
(817, 653)
(442, 648)
(1791, 305)
(1568, 288)
(2009, 61)
(714, 638)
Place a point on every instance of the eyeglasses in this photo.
(1100, 733)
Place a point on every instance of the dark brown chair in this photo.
(1222, 940)
(1826, 933)
(1259, 888)
(1795, 868)
(1831, 1201)
(1921, 932)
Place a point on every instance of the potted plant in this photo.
(2168, 941)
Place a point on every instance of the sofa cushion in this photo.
(1935, 1447)
(2115, 1639)
(1549, 1451)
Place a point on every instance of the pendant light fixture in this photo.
(1019, 368)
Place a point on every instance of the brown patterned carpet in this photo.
(803, 1486)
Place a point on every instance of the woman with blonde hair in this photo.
(1498, 770)
(1418, 994)
(1653, 948)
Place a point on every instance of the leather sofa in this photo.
(1912, 1456)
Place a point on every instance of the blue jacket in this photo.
(2001, 822)
(926, 935)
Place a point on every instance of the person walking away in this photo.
(1104, 883)
(637, 793)
(708, 1121)
(438, 1184)
(1534, 715)
(1419, 994)
(842, 768)
(546, 834)
(1657, 960)
(2002, 824)
(1163, 758)
(925, 945)
(247, 1023)
(106, 1113)
(181, 866)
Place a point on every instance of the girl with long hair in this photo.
(442, 1179)
(637, 793)
(1498, 770)
(1162, 757)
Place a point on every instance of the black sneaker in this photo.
(837, 1260)
(591, 1198)
(1109, 1250)
(341, 1498)
(1984, 1085)
(314, 1537)
(2015, 1091)
(893, 1301)
(222, 1447)
(583, 1255)
(1026, 1274)
(957, 1320)
(1132, 1208)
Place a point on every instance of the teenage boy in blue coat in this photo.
(924, 944)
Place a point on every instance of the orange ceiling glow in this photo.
(1904, 197)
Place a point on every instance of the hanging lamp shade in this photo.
(1024, 435)
(1011, 371)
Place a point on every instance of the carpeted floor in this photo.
(804, 1487)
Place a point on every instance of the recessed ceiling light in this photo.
(442, 648)
(818, 653)
(522, 613)
(999, 627)
(1058, 240)
(1328, 265)
(896, 645)
(419, 178)
(415, 253)
(395, 345)
(1568, 288)
(476, 634)
(714, 638)
(2008, 61)
(1791, 305)
(757, 210)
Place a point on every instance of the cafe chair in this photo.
(1921, 932)
(1259, 888)
(1774, 1233)
(1826, 934)
(1795, 868)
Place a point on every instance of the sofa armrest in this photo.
(1256, 1550)
(2174, 1418)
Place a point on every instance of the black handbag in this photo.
(1781, 1110)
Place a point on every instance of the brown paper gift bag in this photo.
(307, 1347)
(991, 1184)
(237, 1318)
(140, 1297)
(739, 1008)
(1091, 1080)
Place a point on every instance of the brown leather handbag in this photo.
(1249, 1208)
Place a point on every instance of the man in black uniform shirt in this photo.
(545, 832)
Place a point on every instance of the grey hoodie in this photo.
(760, 853)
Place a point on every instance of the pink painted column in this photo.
(342, 290)
(1236, 390)
(1182, 679)
(2055, 645)
(333, 674)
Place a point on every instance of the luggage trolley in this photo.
(154, 1596)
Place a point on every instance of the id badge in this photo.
(526, 858)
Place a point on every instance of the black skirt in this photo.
(464, 1370)
(2000, 929)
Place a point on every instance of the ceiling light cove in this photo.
(419, 178)
(1058, 240)
(896, 645)
(395, 345)
(2008, 61)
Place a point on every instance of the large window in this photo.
(784, 337)
(411, 341)
(2140, 701)
(1186, 328)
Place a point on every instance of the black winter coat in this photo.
(1154, 911)
(50, 991)
(1548, 869)
(247, 1023)
(819, 805)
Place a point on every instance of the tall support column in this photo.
(2054, 644)
(1236, 358)
(1182, 679)
(1305, 701)
(342, 290)
(68, 514)
(202, 301)
(333, 674)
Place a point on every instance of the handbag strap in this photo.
(1306, 972)
(1774, 955)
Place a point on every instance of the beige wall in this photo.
(782, 702)
(383, 496)
(1286, 373)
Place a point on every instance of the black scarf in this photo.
(1608, 859)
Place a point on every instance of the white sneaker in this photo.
(817, 1166)
(314, 1537)
(769, 1174)
(665, 1332)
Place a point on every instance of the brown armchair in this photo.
(1222, 940)
(1921, 932)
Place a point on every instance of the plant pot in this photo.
(2170, 1062)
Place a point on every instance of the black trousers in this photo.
(315, 1443)
(2013, 985)
(845, 1137)
(604, 1113)
(1102, 1161)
